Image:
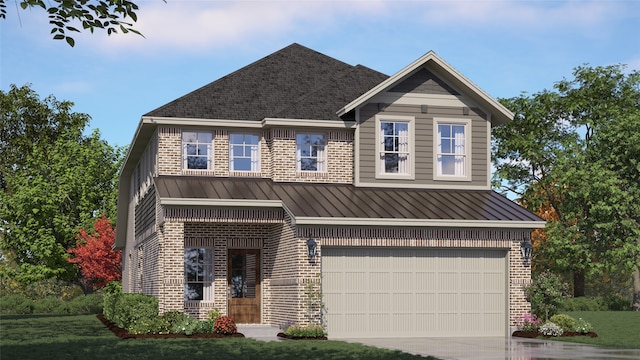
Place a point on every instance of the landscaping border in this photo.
(124, 334)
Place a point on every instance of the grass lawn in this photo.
(619, 329)
(84, 337)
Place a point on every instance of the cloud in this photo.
(194, 26)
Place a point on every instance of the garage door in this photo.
(391, 292)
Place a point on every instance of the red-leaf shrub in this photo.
(225, 325)
(99, 264)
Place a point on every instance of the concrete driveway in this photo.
(497, 348)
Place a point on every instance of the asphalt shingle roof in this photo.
(295, 82)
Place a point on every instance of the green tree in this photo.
(109, 15)
(57, 183)
(576, 149)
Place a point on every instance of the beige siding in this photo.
(394, 292)
(424, 137)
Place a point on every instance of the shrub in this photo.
(582, 326)
(550, 329)
(214, 314)
(566, 322)
(617, 302)
(545, 294)
(528, 322)
(86, 304)
(225, 325)
(206, 327)
(186, 326)
(48, 305)
(16, 304)
(112, 293)
(174, 317)
(311, 330)
(130, 308)
(583, 304)
(156, 325)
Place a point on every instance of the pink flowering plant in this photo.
(225, 325)
(528, 322)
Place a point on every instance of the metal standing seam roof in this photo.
(345, 201)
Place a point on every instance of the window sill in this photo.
(312, 174)
(395, 176)
(245, 173)
(198, 172)
(451, 178)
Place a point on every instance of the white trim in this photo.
(220, 202)
(414, 185)
(410, 120)
(420, 222)
(423, 99)
(264, 123)
(467, 148)
(430, 59)
(329, 124)
(200, 122)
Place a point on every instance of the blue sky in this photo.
(505, 47)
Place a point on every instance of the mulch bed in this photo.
(285, 336)
(124, 334)
(535, 334)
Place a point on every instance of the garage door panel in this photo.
(414, 292)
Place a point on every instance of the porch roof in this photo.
(347, 205)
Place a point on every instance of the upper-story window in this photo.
(395, 146)
(452, 149)
(198, 274)
(244, 152)
(310, 152)
(197, 153)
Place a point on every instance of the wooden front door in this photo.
(243, 279)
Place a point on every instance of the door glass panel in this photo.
(243, 275)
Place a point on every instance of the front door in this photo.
(244, 285)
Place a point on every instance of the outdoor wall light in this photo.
(526, 248)
(311, 248)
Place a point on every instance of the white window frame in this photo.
(409, 172)
(321, 152)
(197, 143)
(254, 153)
(206, 277)
(465, 154)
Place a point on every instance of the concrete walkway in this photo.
(259, 331)
(498, 348)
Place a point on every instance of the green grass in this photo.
(84, 337)
(618, 329)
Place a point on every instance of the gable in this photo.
(424, 81)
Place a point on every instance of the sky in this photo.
(504, 47)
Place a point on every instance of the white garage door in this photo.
(391, 292)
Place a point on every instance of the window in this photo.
(310, 152)
(452, 149)
(198, 274)
(394, 147)
(197, 150)
(244, 152)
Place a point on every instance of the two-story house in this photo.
(300, 173)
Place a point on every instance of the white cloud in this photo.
(193, 26)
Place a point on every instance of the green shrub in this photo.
(174, 317)
(566, 322)
(156, 325)
(112, 294)
(582, 326)
(16, 304)
(583, 304)
(187, 326)
(47, 305)
(311, 330)
(214, 314)
(545, 294)
(617, 302)
(86, 304)
(130, 308)
(206, 327)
